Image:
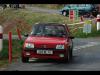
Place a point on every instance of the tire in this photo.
(67, 59)
(69, 54)
(71, 51)
(25, 59)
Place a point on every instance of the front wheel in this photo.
(69, 54)
(68, 57)
(71, 49)
(25, 59)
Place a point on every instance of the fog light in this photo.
(61, 55)
(27, 53)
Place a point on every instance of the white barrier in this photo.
(1, 38)
(79, 23)
(76, 23)
(98, 22)
(76, 26)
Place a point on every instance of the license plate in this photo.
(44, 52)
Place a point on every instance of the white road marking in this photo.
(90, 44)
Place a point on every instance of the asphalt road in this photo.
(86, 57)
(44, 10)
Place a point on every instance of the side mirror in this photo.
(26, 35)
(71, 37)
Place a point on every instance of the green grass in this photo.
(16, 48)
(31, 18)
(16, 51)
(3, 63)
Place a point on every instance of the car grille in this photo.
(34, 49)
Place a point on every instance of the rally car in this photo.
(48, 41)
(83, 9)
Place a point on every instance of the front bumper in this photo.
(61, 54)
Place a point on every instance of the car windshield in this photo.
(49, 30)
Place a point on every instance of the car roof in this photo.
(50, 24)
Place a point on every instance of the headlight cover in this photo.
(59, 46)
(29, 45)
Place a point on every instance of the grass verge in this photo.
(29, 18)
(16, 52)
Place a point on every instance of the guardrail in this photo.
(76, 26)
(79, 23)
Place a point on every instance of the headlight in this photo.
(59, 46)
(29, 45)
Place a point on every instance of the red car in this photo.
(48, 41)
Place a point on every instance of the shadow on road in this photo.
(53, 61)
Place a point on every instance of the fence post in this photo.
(19, 34)
(10, 47)
(1, 38)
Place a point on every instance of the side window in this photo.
(39, 30)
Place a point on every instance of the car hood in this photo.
(49, 42)
(45, 40)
